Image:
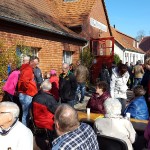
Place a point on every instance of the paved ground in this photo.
(82, 106)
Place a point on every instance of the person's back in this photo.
(104, 74)
(55, 84)
(83, 138)
(72, 134)
(116, 127)
(138, 71)
(10, 84)
(44, 106)
(26, 83)
(81, 73)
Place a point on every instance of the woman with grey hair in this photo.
(114, 125)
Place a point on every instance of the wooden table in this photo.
(139, 125)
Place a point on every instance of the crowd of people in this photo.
(50, 101)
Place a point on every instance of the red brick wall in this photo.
(51, 48)
(98, 14)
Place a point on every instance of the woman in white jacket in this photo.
(118, 84)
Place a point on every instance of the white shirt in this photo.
(19, 138)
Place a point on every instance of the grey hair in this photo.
(112, 106)
(12, 108)
(66, 65)
(26, 58)
(46, 85)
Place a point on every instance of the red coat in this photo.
(96, 102)
(55, 86)
(44, 106)
(26, 83)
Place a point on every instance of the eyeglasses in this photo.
(4, 112)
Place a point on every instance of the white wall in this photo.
(128, 56)
(118, 51)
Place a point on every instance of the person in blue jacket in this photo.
(138, 108)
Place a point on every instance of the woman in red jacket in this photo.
(55, 84)
(98, 98)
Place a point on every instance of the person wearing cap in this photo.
(55, 84)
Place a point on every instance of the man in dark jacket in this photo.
(67, 86)
(37, 73)
(44, 106)
(43, 109)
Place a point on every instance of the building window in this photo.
(67, 57)
(21, 51)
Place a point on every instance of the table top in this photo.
(93, 116)
(137, 124)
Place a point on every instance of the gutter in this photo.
(82, 50)
(23, 23)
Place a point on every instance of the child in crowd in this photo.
(55, 84)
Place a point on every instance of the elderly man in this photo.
(44, 106)
(67, 86)
(26, 88)
(13, 134)
(72, 134)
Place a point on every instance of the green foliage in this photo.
(116, 58)
(87, 57)
(9, 56)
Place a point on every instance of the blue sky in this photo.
(129, 16)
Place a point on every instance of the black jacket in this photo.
(38, 76)
(43, 108)
(67, 87)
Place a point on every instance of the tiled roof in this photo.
(145, 44)
(73, 13)
(34, 12)
(125, 41)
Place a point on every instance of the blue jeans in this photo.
(81, 88)
(137, 81)
(25, 101)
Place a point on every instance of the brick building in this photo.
(32, 25)
(55, 30)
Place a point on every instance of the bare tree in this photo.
(140, 35)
